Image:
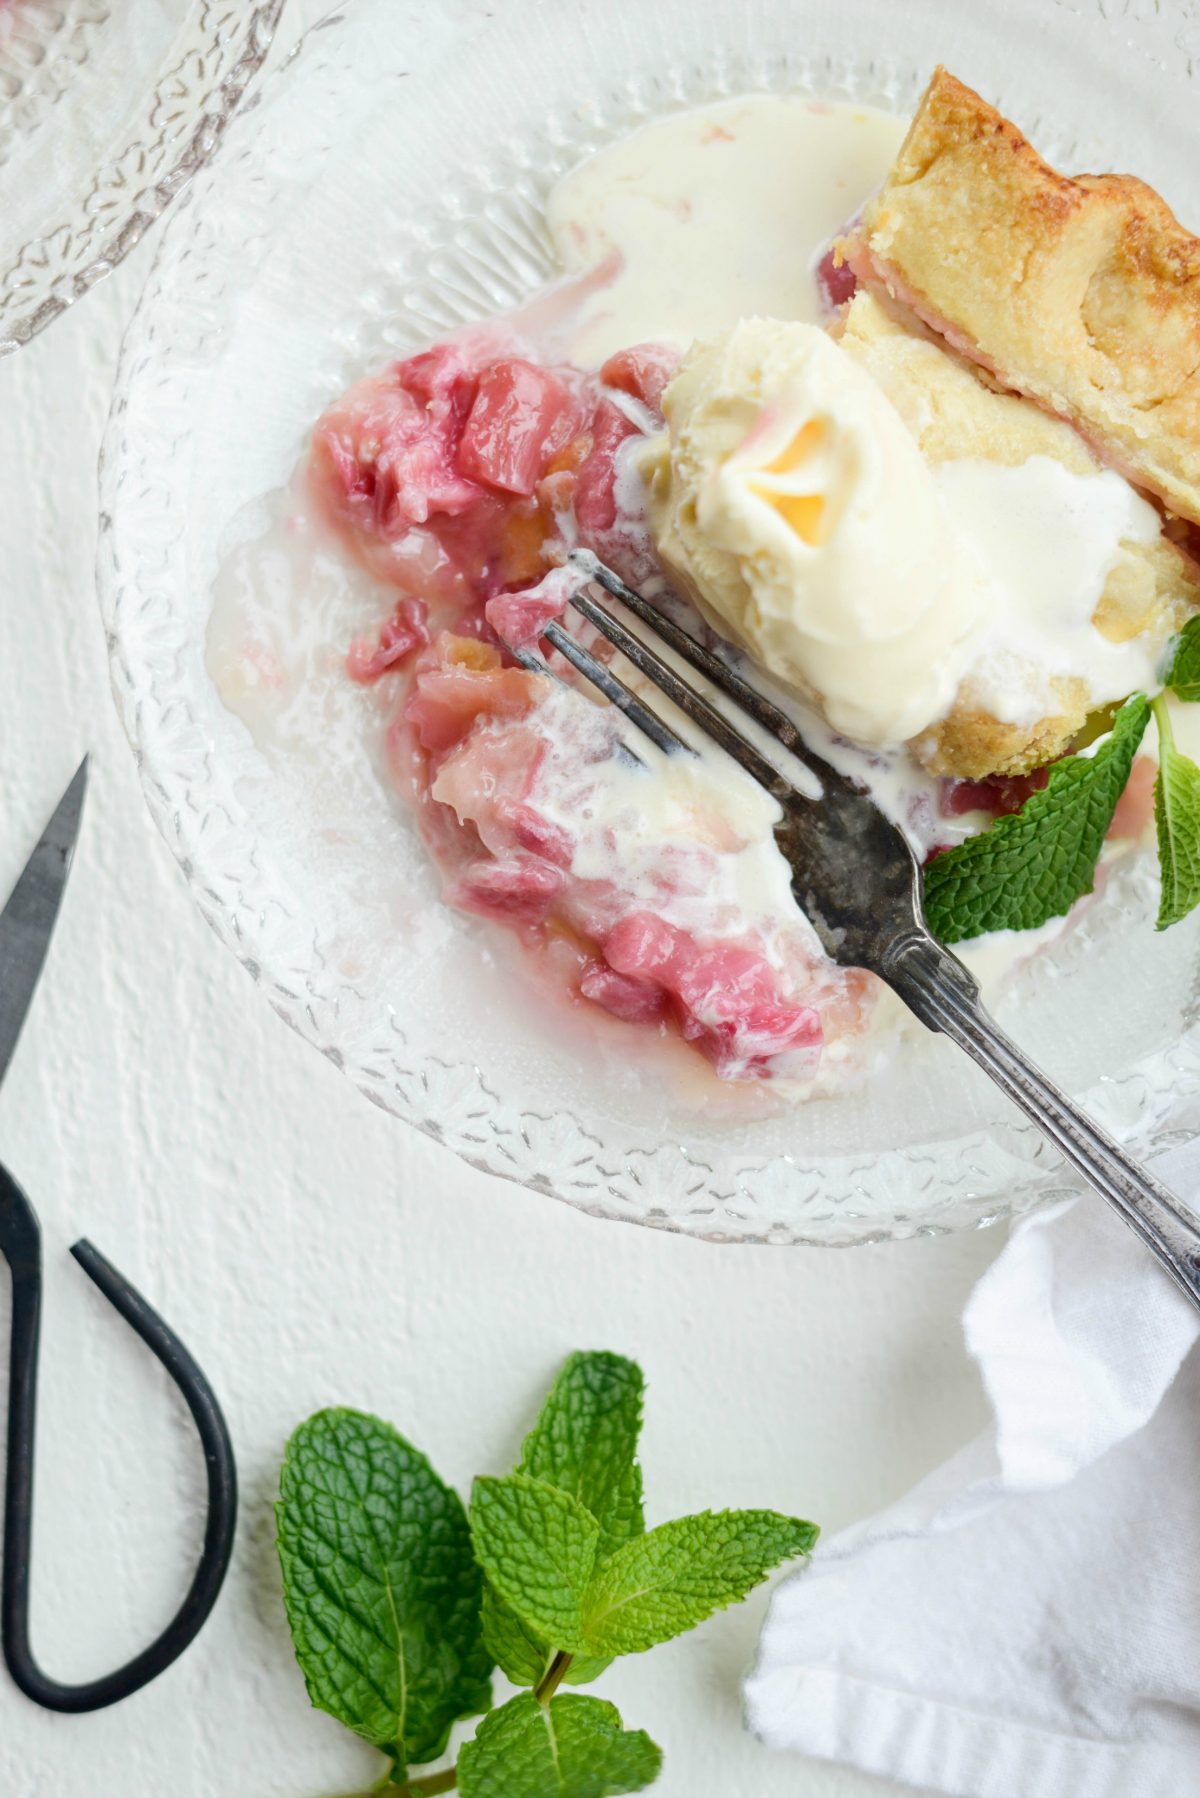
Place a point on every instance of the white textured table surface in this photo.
(312, 1251)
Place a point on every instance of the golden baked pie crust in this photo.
(1083, 293)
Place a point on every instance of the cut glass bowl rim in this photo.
(172, 132)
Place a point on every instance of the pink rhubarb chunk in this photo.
(404, 632)
(521, 417)
(642, 371)
(385, 457)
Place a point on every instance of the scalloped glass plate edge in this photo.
(53, 270)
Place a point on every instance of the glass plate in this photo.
(390, 184)
(106, 110)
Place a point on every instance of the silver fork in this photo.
(857, 880)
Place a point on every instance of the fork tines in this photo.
(612, 687)
(669, 681)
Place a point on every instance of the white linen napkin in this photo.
(1026, 1622)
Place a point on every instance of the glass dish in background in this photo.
(388, 187)
(106, 109)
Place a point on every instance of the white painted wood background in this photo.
(312, 1251)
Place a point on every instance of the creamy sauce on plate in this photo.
(715, 214)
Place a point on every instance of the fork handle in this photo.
(944, 995)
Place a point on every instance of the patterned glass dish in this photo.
(106, 109)
(389, 186)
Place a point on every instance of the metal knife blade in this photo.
(27, 921)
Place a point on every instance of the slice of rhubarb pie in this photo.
(1083, 292)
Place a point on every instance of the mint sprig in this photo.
(1033, 866)
(399, 1605)
(381, 1588)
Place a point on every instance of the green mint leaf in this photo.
(1032, 867)
(1177, 817)
(666, 1582)
(381, 1586)
(537, 1546)
(585, 1441)
(521, 1656)
(584, 1668)
(573, 1747)
(1183, 676)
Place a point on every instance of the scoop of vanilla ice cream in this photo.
(790, 499)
